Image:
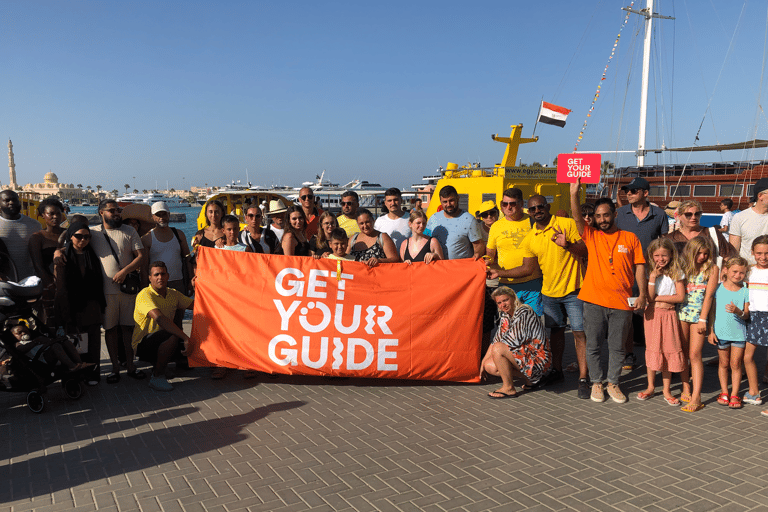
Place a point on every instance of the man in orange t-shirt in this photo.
(616, 261)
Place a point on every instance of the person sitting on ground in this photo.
(51, 350)
(338, 242)
(295, 241)
(231, 228)
(156, 339)
(369, 245)
(261, 241)
(519, 348)
(209, 235)
(420, 247)
(319, 244)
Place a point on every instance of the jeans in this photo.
(601, 324)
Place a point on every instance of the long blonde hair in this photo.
(690, 251)
(672, 270)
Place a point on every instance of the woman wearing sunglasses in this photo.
(689, 220)
(80, 298)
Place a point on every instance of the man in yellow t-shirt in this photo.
(347, 219)
(504, 240)
(155, 337)
(553, 245)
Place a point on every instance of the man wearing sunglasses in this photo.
(395, 221)
(503, 249)
(348, 217)
(648, 222)
(15, 230)
(311, 211)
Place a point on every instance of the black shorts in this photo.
(147, 348)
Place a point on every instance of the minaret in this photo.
(11, 166)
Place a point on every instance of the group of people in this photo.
(619, 277)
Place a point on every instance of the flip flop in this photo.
(113, 378)
(644, 396)
(685, 397)
(674, 402)
(503, 395)
(722, 399)
(689, 407)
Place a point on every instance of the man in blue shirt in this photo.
(457, 231)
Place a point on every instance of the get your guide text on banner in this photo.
(302, 316)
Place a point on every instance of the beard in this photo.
(113, 222)
(605, 226)
(162, 224)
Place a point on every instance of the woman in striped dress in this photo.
(519, 349)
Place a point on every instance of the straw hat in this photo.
(671, 208)
(276, 206)
(142, 213)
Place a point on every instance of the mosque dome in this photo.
(50, 177)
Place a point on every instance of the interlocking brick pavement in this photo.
(294, 444)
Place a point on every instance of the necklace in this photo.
(611, 249)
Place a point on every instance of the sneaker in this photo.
(615, 393)
(160, 384)
(752, 399)
(583, 392)
(597, 392)
(629, 362)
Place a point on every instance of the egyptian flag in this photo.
(552, 114)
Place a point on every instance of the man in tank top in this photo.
(168, 245)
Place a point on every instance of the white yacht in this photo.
(152, 198)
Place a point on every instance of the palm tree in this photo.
(98, 188)
(144, 191)
(554, 162)
(114, 192)
(79, 185)
(127, 186)
(135, 191)
(607, 168)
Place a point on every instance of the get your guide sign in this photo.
(571, 166)
(298, 315)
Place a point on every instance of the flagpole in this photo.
(537, 117)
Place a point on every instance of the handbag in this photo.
(132, 282)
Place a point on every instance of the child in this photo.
(663, 334)
(338, 242)
(757, 328)
(53, 351)
(729, 316)
(231, 227)
(702, 275)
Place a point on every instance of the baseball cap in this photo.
(160, 206)
(761, 185)
(635, 184)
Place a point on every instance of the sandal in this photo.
(722, 399)
(113, 378)
(136, 374)
(689, 407)
(735, 402)
(685, 397)
(672, 401)
(644, 396)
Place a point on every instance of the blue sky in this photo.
(198, 92)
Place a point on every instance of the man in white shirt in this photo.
(395, 221)
(750, 223)
(276, 212)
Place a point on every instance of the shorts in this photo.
(529, 293)
(725, 344)
(147, 348)
(119, 310)
(557, 309)
(757, 328)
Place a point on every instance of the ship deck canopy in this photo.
(750, 144)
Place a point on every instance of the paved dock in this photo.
(296, 443)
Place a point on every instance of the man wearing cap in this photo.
(311, 211)
(504, 240)
(276, 211)
(395, 221)
(648, 222)
(347, 219)
(750, 223)
(169, 245)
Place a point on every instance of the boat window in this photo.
(750, 190)
(681, 191)
(464, 202)
(657, 191)
(731, 190)
(489, 197)
(704, 190)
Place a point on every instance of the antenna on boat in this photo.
(649, 15)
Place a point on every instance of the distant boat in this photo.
(152, 198)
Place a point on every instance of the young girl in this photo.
(420, 247)
(757, 328)
(663, 334)
(729, 316)
(702, 277)
(295, 241)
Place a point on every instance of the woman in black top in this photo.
(295, 241)
(420, 247)
(207, 237)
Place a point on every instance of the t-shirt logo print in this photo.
(622, 249)
(515, 236)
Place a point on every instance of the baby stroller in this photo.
(19, 372)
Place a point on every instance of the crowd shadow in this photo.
(111, 457)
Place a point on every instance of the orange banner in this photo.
(302, 316)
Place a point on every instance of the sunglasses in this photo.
(307, 196)
(537, 207)
(486, 214)
(347, 203)
(587, 214)
(510, 204)
(113, 210)
(81, 237)
(634, 191)
(688, 215)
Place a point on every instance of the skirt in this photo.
(757, 328)
(533, 358)
(663, 341)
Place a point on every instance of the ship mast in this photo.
(648, 14)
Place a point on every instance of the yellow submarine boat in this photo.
(478, 184)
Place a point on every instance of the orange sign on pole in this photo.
(301, 316)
